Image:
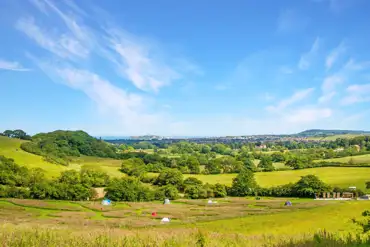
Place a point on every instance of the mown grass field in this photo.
(365, 158)
(335, 176)
(232, 221)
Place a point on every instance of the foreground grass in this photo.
(294, 226)
(28, 237)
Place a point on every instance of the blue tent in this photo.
(106, 202)
(288, 203)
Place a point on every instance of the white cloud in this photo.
(353, 65)
(308, 115)
(137, 62)
(326, 97)
(357, 93)
(291, 20)
(331, 82)
(296, 97)
(63, 45)
(334, 55)
(8, 65)
(306, 59)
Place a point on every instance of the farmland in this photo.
(335, 176)
(233, 220)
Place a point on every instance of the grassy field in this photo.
(230, 222)
(365, 158)
(335, 176)
(10, 148)
(333, 137)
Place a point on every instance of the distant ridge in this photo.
(322, 132)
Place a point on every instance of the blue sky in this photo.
(184, 67)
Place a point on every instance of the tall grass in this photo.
(11, 235)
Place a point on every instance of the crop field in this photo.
(234, 219)
(335, 176)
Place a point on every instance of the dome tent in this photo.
(166, 201)
(288, 203)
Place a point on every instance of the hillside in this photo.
(10, 148)
(323, 133)
(58, 146)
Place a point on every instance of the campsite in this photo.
(243, 217)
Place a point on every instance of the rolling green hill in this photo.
(10, 148)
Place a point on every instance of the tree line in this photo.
(20, 182)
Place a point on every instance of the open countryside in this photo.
(184, 123)
(214, 189)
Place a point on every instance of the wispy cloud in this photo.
(136, 61)
(296, 97)
(326, 97)
(308, 115)
(331, 82)
(9, 65)
(291, 20)
(357, 93)
(81, 43)
(306, 58)
(63, 45)
(353, 65)
(334, 55)
(329, 87)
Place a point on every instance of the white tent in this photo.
(165, 220)
(210, 202)
(166, 201)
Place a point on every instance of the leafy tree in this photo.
(93, 178)
(128, 189)
(70, 177)
(170, 176)
(219, 190)
(266, 163)
(249, 164)
(134, 167)
(308, 185)
(278, 157)
(167, 191)
(213, 167)
(192, 181)
(244, 184)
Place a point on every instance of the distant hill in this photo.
(321, 132)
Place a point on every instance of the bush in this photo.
(168, 191)
(128, 189)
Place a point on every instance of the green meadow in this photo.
(230, 222)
